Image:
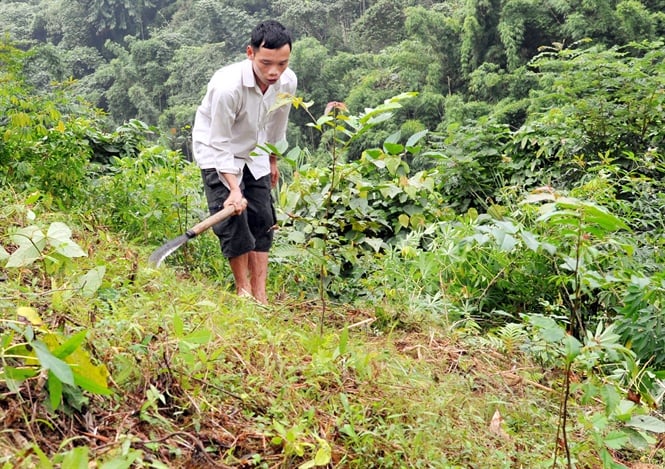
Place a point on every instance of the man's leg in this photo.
(261, 218)
(258, 271)
(235, 237)
(240, 266)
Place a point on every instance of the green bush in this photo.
(151, 197)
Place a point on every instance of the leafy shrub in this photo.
(348, 211)
(640, 320)
(53, 143)
(29, 348)
(151, 197)
(591, 102)
(471, 164)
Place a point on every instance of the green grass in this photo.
(202, 378)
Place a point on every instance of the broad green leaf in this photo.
(4, 255)
(201, 336)
(323, 120)
(505, 241)
(17, 374)
(70, 345)
(30, 314)
(403, 220)
(54, 390)
(616, 439)
(610, 395)
(390, 191)
(308, 464)
(90, 282)
(33, 197)
(360, 204)
(297, 237)
(323, 454)
(6, 339)
(641, 282)
(392, 163)
(572, 346)
(60, 369)
(393, 148)
(530, 240)
(94, 380)
(608, 460)
(603, 218)
(393, 138)
(376, 243)
(178, 326)
(59, 235)
(639, 439)
(571, 264)
(122, 462)
(24, 256)
(373, 154)
(549, 329)
(561, 218)
(402, 96)
(278, 148)
(417, 220)
(90, 377)
(77, 458)
(624, 410)
(648, 423)
(347, 429)
(479, 238)
(20, 119)
(415, 138)
(382, 112)
(377, 119)
(507, 226)
(293, 155)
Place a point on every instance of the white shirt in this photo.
(234, 117)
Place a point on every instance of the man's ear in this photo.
(250, 52)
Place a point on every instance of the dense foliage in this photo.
(151, 59)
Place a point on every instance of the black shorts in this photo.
(252, 230)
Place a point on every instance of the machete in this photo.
(169, 247)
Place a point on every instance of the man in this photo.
(234, 118)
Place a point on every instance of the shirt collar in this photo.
(248, 78)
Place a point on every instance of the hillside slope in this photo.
(202, 378)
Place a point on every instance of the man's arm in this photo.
(222, 105)
(235, 195)
(274, 170)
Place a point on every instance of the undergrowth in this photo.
(201, 378)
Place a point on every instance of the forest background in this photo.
(492, 169)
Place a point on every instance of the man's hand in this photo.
(237, 201)
(235, 197)
(274, 170)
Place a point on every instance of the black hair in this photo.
(270, 34)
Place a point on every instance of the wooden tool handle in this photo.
(223, 214)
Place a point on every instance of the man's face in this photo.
(268, 64)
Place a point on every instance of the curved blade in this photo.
(160, 254)
(163, 251)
